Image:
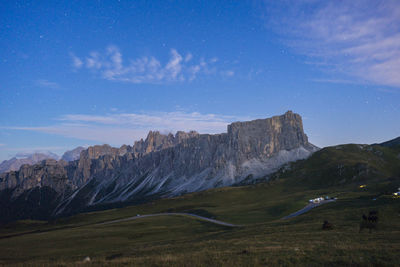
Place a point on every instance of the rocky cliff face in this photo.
(267, 137)
(49, 173)
(156, 141)
(168, 165)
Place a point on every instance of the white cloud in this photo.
(228, 73)
(125, 128)
(76, 61)
(110, 135)
(338, 81)
(21, 151)
(174, 66)
(188, 57)
(111, 66)
(47, 84)
(359, 38)
(10, 152)
(2, 145)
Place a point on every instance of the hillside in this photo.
(391, 143)
(347, 166)
(264, 239)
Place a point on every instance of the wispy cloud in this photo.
(110, 65)
(228, 73)
(20, 151)
(76, 61)
(125, 128)
(2, 145)
(47, 84)
(339, 81)
(358, 38)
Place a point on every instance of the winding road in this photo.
(172, 214)
(307, 208)
(124, 220)
(297, 213)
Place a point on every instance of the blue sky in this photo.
(94, 72)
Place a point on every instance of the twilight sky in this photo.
(94, 72)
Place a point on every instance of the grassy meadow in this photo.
(264, 239)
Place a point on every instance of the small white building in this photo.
(316, 200)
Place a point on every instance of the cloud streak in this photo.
(125, 128)
(111, 66)
(360, 39)
(47, 84)
(26, 151)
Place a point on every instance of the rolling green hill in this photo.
(265, 239)
(346, 166)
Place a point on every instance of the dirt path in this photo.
(172, 214)
(307, 208)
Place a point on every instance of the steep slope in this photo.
(197, 162)
(34, 191)
(170, 165)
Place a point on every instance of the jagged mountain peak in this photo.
(156, 141)
(165, 165)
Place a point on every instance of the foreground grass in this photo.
(180, 241)
(184, 241)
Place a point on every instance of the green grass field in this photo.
(264, 239)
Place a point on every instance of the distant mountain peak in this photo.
(73, 154)
(20, 159)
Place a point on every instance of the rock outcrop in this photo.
(167, 165)
(156, 141)
(49, 173)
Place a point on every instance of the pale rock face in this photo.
(170, 165)
(91, 161)
(156, 141)
(46, 173)
(73, 154)
(268, 136)
(94, 152)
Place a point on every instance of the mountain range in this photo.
(16, 162)
(157, 167)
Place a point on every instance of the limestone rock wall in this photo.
(167, 164)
